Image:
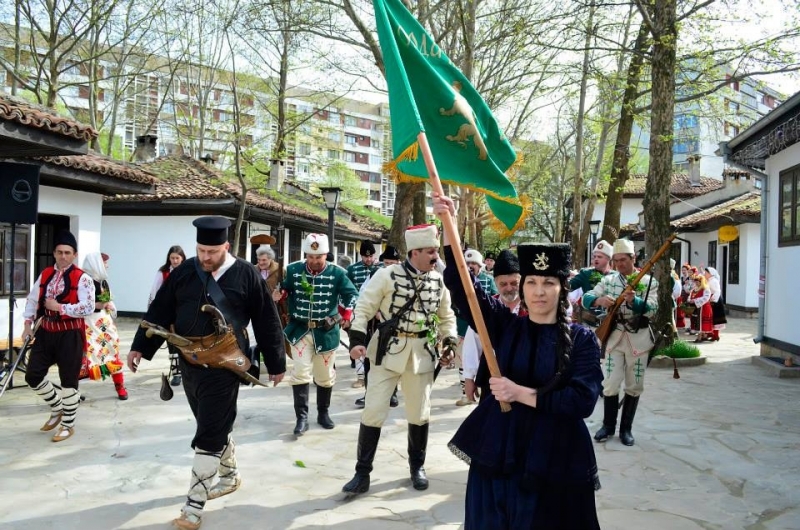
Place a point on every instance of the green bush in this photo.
(680, 350)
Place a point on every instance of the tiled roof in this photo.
(362, 228)
(743, 208)
(176, 178)
(182, 177)
(262, 201)
(21, 111)
(95, 163)
(680, 186)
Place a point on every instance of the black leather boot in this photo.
(610, 407)
(417, 447)
(323, 403)
(367, 446)
(393, 402)
(300, 408)
(626, 423)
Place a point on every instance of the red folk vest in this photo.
(68, 296)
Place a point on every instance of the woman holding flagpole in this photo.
(532, 467)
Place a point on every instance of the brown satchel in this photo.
(216, 351)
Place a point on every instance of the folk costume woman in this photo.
(701, 297)
(682, 320)
(175, 256)
(532, 467)
(717, 305)
(101, 358)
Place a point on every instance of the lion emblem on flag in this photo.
(468, 130)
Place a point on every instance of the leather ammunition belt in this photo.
(314, 324)
(411, 334)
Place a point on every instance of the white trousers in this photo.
(309, 366)
(416, 393)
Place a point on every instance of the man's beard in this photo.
(509, 298)
(213, 266)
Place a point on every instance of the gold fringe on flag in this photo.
(411, 154)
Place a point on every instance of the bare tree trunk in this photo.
(656, 196)
(17, 46)
(279, 151)
(403, 212)
(579, 226)
(620, 170)
(420, 215)
(237, 146)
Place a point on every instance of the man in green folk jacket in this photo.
(320, 296)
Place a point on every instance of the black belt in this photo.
(313, 324)
(412, 334)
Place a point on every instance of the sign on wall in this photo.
(728, 233)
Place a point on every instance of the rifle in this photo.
(609, 323)
(7, 373)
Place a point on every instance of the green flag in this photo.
(427, 93)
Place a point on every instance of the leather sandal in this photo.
(220, 490)
(52, 422)
(187, 522)
(63, 433)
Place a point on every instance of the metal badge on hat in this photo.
(541, 262)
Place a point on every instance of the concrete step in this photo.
(776, 367)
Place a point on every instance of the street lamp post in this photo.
(594, 229)
(331, 197)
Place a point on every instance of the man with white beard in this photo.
(507, 278)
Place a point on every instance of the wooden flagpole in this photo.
(449, 225)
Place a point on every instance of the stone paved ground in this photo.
(715, 449)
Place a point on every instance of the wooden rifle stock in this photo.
(610, 321)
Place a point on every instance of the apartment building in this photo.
(349, 131)
(699, 126)
(191, 111)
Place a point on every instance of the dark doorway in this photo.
(724, 275)
(47, 226)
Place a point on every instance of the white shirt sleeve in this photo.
(702, 300)
(32, 301)
(85, 305)
(716, 290)
(157, 283)
(471, 352)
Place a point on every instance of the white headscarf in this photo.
(713, 272)
(93, 266)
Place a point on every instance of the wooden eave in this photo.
(78, 179)
(22, 141)
(228, 207)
